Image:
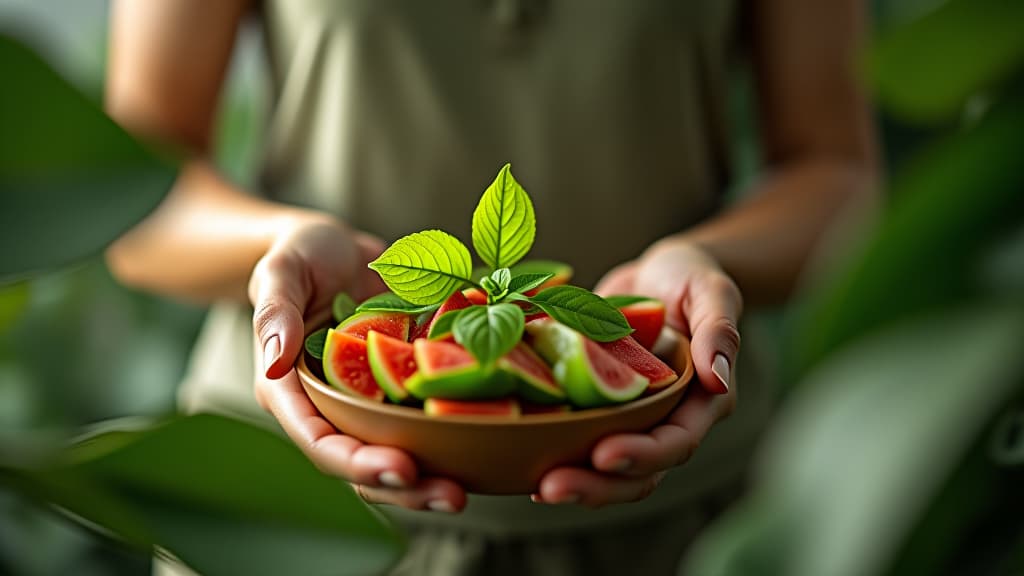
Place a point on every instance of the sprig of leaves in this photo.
(426, 268)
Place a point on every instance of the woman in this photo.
(389, 117)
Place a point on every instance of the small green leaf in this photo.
(315, 343)
(524, 282)
(490, 285)
(496, 284)
(502, 277)
(443, 325)
(621, 301)
(503, 222)
(425, 267)
(582, 310)
(388, 302)
(342, 307)
(488, 332)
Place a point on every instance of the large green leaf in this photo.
(425, 267)
(488, 332)
(71, 180)
(223, 496)
(949, 209)
(876, 442)
(927, 69)
(581, 310)
(504, 225)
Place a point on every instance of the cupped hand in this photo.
(300, 274)
(702, 302)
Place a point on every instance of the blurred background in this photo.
(85, 349)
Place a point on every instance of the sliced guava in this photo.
(501, 408)
(632, 354)
(646, 317)
(394, 324)
(347, 367)
(535, 381)
(589, 374)
(475, 296)
(456, 301)
(447, 370)
(392, 363)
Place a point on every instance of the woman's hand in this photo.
(703, 303)
(298, 276)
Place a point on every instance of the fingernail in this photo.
(721, 369)
(441, 506)
(621, 465)
(536, 499)
(390, 479)
(569, 499)
(271, 352)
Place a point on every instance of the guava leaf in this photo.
(621, 301)
(488, 332)
(315, 343)
(342, 306)
(443, 325)
(71, 179)
(525, 282)
(583, 311)
(426, 267)
(388, 302)
(504, 225)
(502, 277)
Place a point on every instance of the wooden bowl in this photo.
(490, 455)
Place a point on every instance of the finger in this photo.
(712, 309)
(592, 489)
(437, 494)
(670, 444)
(618, 280)
(333, 453)
(279, 291)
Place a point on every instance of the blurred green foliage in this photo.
(901, 448)
(221, 495)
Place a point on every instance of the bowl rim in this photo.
(308, 379)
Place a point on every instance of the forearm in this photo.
(203, 241)
(765, 241)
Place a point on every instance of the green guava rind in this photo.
(346, 366)
(577, 363)
(394, 324)
(535, 382)
(392, 364)
(463, 378)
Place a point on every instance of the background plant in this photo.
(901, 447)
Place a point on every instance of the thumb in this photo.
(712, 311)
(279, 293)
